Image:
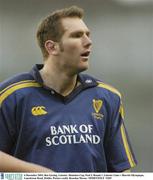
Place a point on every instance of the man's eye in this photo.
(77, 35)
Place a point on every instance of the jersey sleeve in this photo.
(119, 153)
(7, 124)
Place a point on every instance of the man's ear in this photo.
(51, 47)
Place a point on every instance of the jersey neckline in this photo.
(85, 80)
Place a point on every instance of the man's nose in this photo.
(87, 41)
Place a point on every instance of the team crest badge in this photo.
(97, 105)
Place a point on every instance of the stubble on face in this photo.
(70, 48)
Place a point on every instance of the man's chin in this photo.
(83, 68)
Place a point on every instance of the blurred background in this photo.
(122, 35)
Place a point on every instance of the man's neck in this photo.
(61, 82)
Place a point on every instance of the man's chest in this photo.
(53, 122)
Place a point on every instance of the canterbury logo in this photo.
(97, 104)
(38, 110)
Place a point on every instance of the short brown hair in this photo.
(51, 27)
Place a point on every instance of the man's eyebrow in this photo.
(80, 31)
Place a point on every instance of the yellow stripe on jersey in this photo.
(17, 87)
(121, 111)
(127, 148)
(110, 88)
(16, 84)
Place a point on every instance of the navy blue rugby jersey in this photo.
(82, 132)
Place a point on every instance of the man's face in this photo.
(75, 45)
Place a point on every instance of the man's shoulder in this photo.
(16, 80)
(111, 89)
(104, 87)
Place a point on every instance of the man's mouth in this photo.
(85, 54)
